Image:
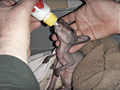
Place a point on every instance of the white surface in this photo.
(42, 72)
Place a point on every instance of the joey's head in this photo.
(65, 32)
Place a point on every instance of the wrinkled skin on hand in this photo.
(94, 19)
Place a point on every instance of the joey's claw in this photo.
(45, 61)
(56, 72)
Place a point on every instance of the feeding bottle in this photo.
(42, 12)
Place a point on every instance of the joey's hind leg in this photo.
(69, 60)
(53, 80)
(52, 83)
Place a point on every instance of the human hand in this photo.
(97, 19)
(15, 26)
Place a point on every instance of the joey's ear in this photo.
(82, 39)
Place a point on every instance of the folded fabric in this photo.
(100, 68)
(42, 72)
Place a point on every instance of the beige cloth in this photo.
(100, 69)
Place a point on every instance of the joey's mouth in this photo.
(57, 27)
(62, 24)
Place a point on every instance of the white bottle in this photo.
(41, 11)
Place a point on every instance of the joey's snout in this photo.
(61, 25)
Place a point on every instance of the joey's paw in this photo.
(46, 60)
(56, 72)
